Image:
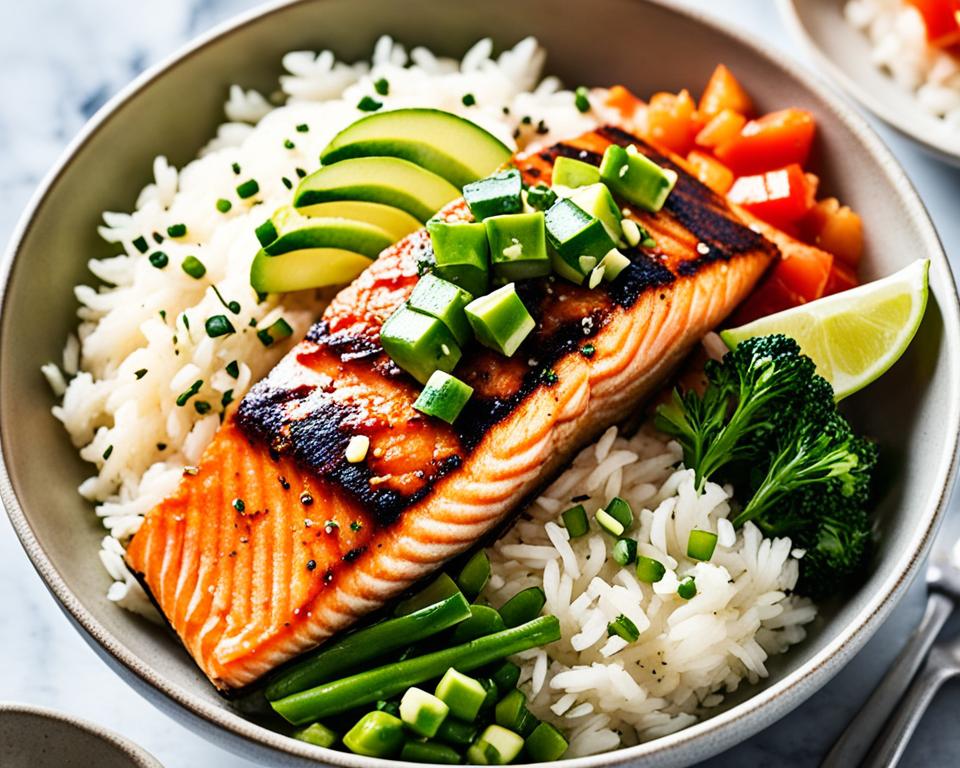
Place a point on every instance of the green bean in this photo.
(429, 752)
(483, 620)
(474, 575)
(439, 589)
(523, 606)
(392, 679)
(375, 641)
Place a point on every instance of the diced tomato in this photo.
(769, 297)
(836, 229)
(723, 91)
(722, 127)
(779, 197)
(842, 278)
(772, 141)
(942, 20)
(711, 172)
(799, 278)
(623, 100)
(672, 121)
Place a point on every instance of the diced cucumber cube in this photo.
(495, 195)
(317, 734)
(511, 712)
(377, 734)
(597, 201)
(422, 712)
(483, 621)
(578, 239)
(496, 746)
(462, 254)
(545, 744)
(419, 344)
(474, 575)
(443, 396)
(523, 607)
(569, 172)
(575, 521)
(499, 320)
(636, 178)
(518, 245)
(429, 752)
(462, 694)
(445, 301)
(506, 677)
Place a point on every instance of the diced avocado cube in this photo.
(495, 195)
(578, 239)
(499, 320)
(636, 178)
(462, 254)
(317, 734)
(377, 734)
(545, 744)
(422, 712)
(462, 694)
(511, 712)
(571, 173)
(496, 746)
(443, 396)
(419, 344)
(596, 200)
(443, 300)
(518, 246)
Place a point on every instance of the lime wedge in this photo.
(854, 336)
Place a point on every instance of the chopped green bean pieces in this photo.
(429, 752)
(701, 545)
(474, 575)
(523, 606)
(623, 627)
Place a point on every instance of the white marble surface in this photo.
(59, 61)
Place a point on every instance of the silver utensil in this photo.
(881, 709)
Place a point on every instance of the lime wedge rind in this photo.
(862, 306)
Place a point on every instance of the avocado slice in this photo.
(448, 145)
(386, 180)
(396, 223)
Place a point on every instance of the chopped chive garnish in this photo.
(106, 453)
(236, 168)
(177, 230)
(623, 627)
(549, 377)
(252, 322)
(158, 259)
(382, 86)
(542, 127)
(649, 571)
(276, 332)
(287, 144)
(163, 315)
(266, 233)
(239, 505)
(526, 119)
(286, 182)
(193, 267)
(701, 544)
(141, 245)
(588, 350)
(233, 368)
(157, 238)
(201, 406)
(219, 325)
(687, 588)
(625, 552)
(575, 521)
(303, 128)
(608, 523)
(224, 205)
(247, 189)
(233, 306)
(261, 296)
(187, 394)
(469, 99)
(227, 398)
(620, 511)
(356, 525)
(185, 320)
(369, 104)
(300, 172)
(541, 197)
(140, 373)
(581, 100)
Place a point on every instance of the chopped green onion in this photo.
(233, 306)
(287, 144)
(609, 523)
(140, 373)
(187, 394)
(623, 627)
(317, 734)
(227, 398)
(588, 350)
(140, 244)
(687, 588)
(650, 571)
(275, 332)
(157, 238)
(193, 267)
(233, 368)
(575, 521)
(224, 205)
(382, 86)
(266, 233)
(106, 453)
(239, 505)
(219, 325)
(236, 168)
(469, 99)
(303, 128)
(247, 189)
(625, 551)
(300, 172)
(581, 99)
(158, 259)
(201, 406)
(286, 182)
(620, 511)
(701, 544)
(369, 104)
(177, 230)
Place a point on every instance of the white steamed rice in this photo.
(899, 46)
(141, 342)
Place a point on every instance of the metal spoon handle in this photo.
(855, 741)
(889, 748)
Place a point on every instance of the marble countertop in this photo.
(59, 61)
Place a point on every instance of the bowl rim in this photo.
(790, 15)
(135, 752)
(723, 729)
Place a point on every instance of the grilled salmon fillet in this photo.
(278, 542)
